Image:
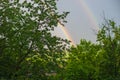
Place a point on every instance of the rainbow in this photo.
(91, 17)
(65, 31)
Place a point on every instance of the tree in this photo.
(109, 39)
(28, 50)
(82, 63)
(96, 61)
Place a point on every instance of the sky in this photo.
(86, 16)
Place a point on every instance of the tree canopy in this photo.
(28, 50)
(96, 61)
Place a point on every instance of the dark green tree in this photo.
(28, 50)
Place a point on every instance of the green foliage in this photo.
(28, 51)
(109, 38)
(96, 61)
(82, 62)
